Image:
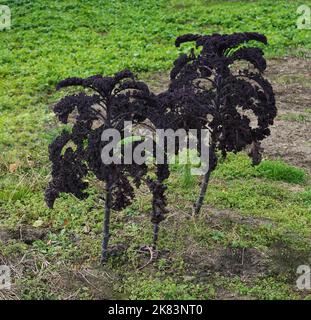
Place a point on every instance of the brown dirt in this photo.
(246, 263)
(24, 234)
(220, 218)
(291, 140)
(285, 259)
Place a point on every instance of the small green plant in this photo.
(295, 117)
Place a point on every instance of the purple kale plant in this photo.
(75, 154)
(236, 105)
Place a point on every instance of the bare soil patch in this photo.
(290, 140)
(24, 234)
(220, 218)
(247, 264)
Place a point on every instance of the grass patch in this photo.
(167, 289)
(239, 166)
(280, 171)
(263, 288)
(102, 37)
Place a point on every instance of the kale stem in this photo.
(106, 223)
(212, 164)
(155, 234)
(204, 185)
